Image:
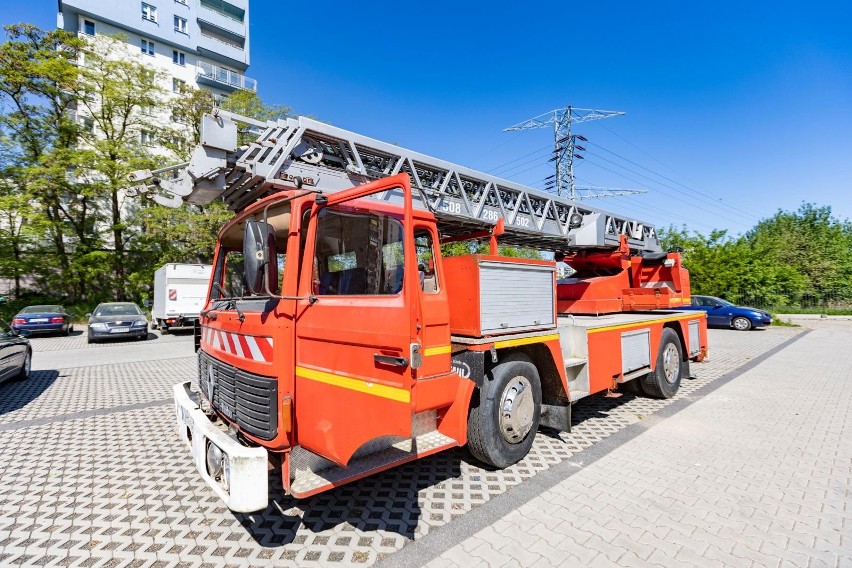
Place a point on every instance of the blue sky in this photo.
(733, 109)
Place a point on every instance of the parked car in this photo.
(117, 319)
(722, 313)
(44, 319)
(16, 355)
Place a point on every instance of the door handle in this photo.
(388, 360)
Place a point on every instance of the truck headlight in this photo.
(215, 460)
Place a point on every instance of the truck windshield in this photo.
(233, 284)
(228, 276)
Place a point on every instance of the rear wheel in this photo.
(741, 324)
(502, 424)
(664, 380)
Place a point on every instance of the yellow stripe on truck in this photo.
(525, 341)
(440, 350)
(359, 385)
(645, 323)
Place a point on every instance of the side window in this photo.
(426, 261)
(358, 252)
(5, 330)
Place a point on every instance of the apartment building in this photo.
(203, 43)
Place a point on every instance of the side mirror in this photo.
(259, 257)
(146, 303)
(88, 315)
(717, 305)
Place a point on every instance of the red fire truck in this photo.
(337, 341)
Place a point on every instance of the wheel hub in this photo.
(671, 363)
(517, 408)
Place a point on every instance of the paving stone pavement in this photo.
(92, 474)
(756, 473)
(77, 340)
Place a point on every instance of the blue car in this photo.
(43, 319)
(725, 314)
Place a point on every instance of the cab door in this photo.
(355, 326)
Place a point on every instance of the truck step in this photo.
(576, 395)
(309, 483)
(575, 362)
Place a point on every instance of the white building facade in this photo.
(201, 43)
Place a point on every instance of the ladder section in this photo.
(304, 151)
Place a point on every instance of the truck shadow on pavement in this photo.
(17, 393)
(389, 501)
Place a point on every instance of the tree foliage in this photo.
(784, 258)
(76, 116)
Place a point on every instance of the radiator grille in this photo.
(247, 399)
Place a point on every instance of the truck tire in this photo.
(664, 380)
(502, 424)
(164, 329)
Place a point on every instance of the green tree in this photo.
(811, 245)
(38, 77)
(122, 96)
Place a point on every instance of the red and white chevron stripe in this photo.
(255, 347)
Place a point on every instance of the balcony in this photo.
(222, 78)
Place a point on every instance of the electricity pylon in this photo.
(565, 150)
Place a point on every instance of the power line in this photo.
(662, 163)
(500, 167)
(706, 200)
(751, 215)
(633, 180)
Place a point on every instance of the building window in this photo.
(146, 138)
(177, 85)
(180, 25)
(88, 27)
(178, 57)
(87, 123)
(147, 47)
(149, 12)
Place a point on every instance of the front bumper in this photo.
(248, 485)
(132, 332)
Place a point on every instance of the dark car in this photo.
(16, 355)
(725, 314)
(117, 319)
(43, 319)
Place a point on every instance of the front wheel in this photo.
(664, 380)
(741, 324)
(26, 368)
(502, 424)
